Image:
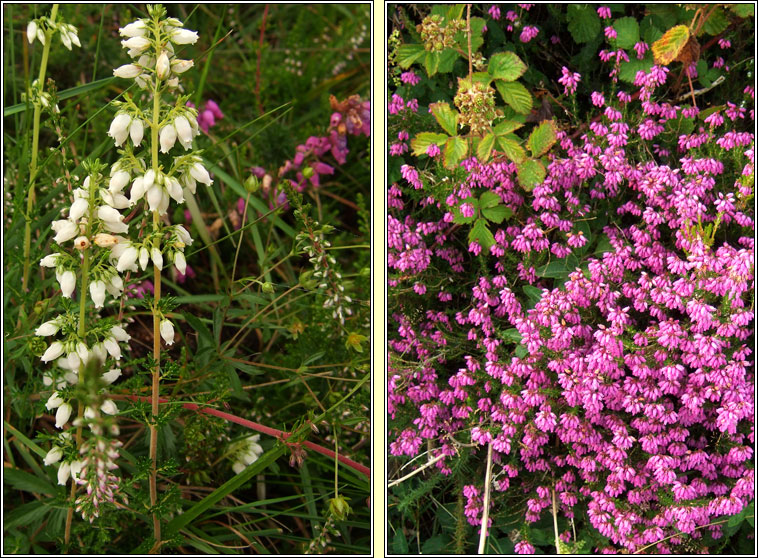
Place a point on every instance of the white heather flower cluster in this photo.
(245, 452)
(90, 224)
(68, 33)
(150, 42)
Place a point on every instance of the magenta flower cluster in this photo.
(629, 389)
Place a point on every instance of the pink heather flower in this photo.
(494, 12)
(433, 150)
(410, 78)
(555, 39)
(523, 547)
(725, 43)
(604, 12)
(610, 33)
(529, 32)
(624, 97)
(511, 15)
(526, 7)
(402, 135)
(467, 210)
(396, 104)
(641, 48)
(412, 105)
(749, 91)
(597, 99)
(569, 81)
(398, 149)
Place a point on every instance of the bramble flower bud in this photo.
(62, 415)
(135, 29)
(183, 37)
(53, 456)
(97, 293)
(50, 327)
(162, 66)
(167, 331)
(167, 138)
(81, 243)
(54, 401)
(31, 31)
(67, 282)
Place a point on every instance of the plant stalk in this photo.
(486, 510)
(30, 198)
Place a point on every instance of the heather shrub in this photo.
(571, 281)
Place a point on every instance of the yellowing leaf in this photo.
(542, 138)
(667, 48)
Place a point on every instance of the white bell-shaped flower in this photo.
(78, 209)
(135, 29)
(128, 260)
(199, 173)
(118, 181)
(112, 347)
(144, 258)
(65, 230)
(167, 331)
(183, 131)
(109, 407)
(181, 66)
(136, 45)
(62, 415)
(31, 31)
(120, 334)
(183, 37)
(97, 292)
(137, 191)
(174, 189)
(54, 401)
(49, 260)
(111, 375)
(119, 129)
(127, 71)
(64, 472)
(53, 351)
(136, 131)
(50, 327)
(167, 138)
(180, 262)
(53, 456)
(154, 196)
(67, 281)
(162, 66)
(157, 257)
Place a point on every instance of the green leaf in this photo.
(484, 149)
(408, 54)
(667, 48)
(431, 63)
(454, 12)
(506, 66)
(458, 218)
(455, 150)
(446, 117)
(512, 149)
(558, 269)
(447, 60)
(533, 293)
(743, 10)
(434, 545)
(21, 480)
(481, 234)
(628, 70)
(400, 544)
(477, 32)
(717, 22)
(542, 138)
(530, 173)
(497, 214)
(512, 334)
(66, 94)
(506, 127)
(584, 23)
(515, 95)
(423, 140)
(488, 199)
(627, 32)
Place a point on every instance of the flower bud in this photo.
(144, 256)
(184, 131)
(162, 66)
(252, 184)
(105, 240)
(127, 260)
(65, 230)
(31, 31)
(54, 401)
(119, 128)
(41, 36)
(64, 472)
(109, 407)
(181, 66)
(111, 375)
(180, 262)
(81, 243)
(167, 331)
(49, 261)
(199, 173)
(157, 257)
(136, 131)
(120, 178)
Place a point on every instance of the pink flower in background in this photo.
(188, 273)
(208, 115)
(410, 78)
(641, 48)
(494, 12)
(610, 32)
(569, 80)
(529, 33)
(725, 43)
(604, 12)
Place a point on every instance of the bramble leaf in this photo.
(530, 173)
(455, 150)
(408, 54)
(488, 199)
(481, 233)
(484, 149)
(667, 48)
(506, 66)
(515, 95)
(542, 138)
(584, 23)
(423, 140)
(497, 214)
(512, 148)
(627, 32)
(445, 116)
(506, 127)
(432, 63)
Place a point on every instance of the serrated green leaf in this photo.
(530, 173)
(477, 33)
(542, 138)
(506, 66)
(484, 149)
(584, 23)
(628, 70)
(455, 150)
(423, 140)
(627, 32)
(667, 48)
(512, 149)
(488, 199)
(481, 234)
(447, 60)
(446, 117)
(408, 54)
(717, 22)
(743, 10)
(515, 95)
(506, 127)
(431, 63)
(497, 214)
(454, 12)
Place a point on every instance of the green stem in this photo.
(30, 198)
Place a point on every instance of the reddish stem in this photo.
(264, 429)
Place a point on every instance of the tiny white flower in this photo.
(135, 29)
(31, 31)
(41, 36)
(112, 347)
(117, 284)
(127, 71)
(184, 37)
(63, 33)
(167, 331)
(62, 415)
(149, 179)
(109, 407)
(76, 468)
(189, 182)
(54, 401)
(53, 351)
(47, 380)
(137, 191)
(136, 44)
(199, 173)
(167, 138)
(107, 213)
(127, 260)
(157, 257)
(181, 66)
(119, 129)
(162, 66)
(120, 334)
(64, 472)
(53, 456)
(73, 34)
(83, 352)
(78, 209)
(49, 261)
(180, 262)
(111, 375)
(118, 181)
(165, 200)
(174, 189)
(144, 257)
(183, 235)
(50, 327)
(184, 131)
(73, 362)
(154, 197)
(119, 201)
(99, 353)
(97, 292)
(65, 230)
(136, 131)
(67, 282)
(238, 467)
(89, 413)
